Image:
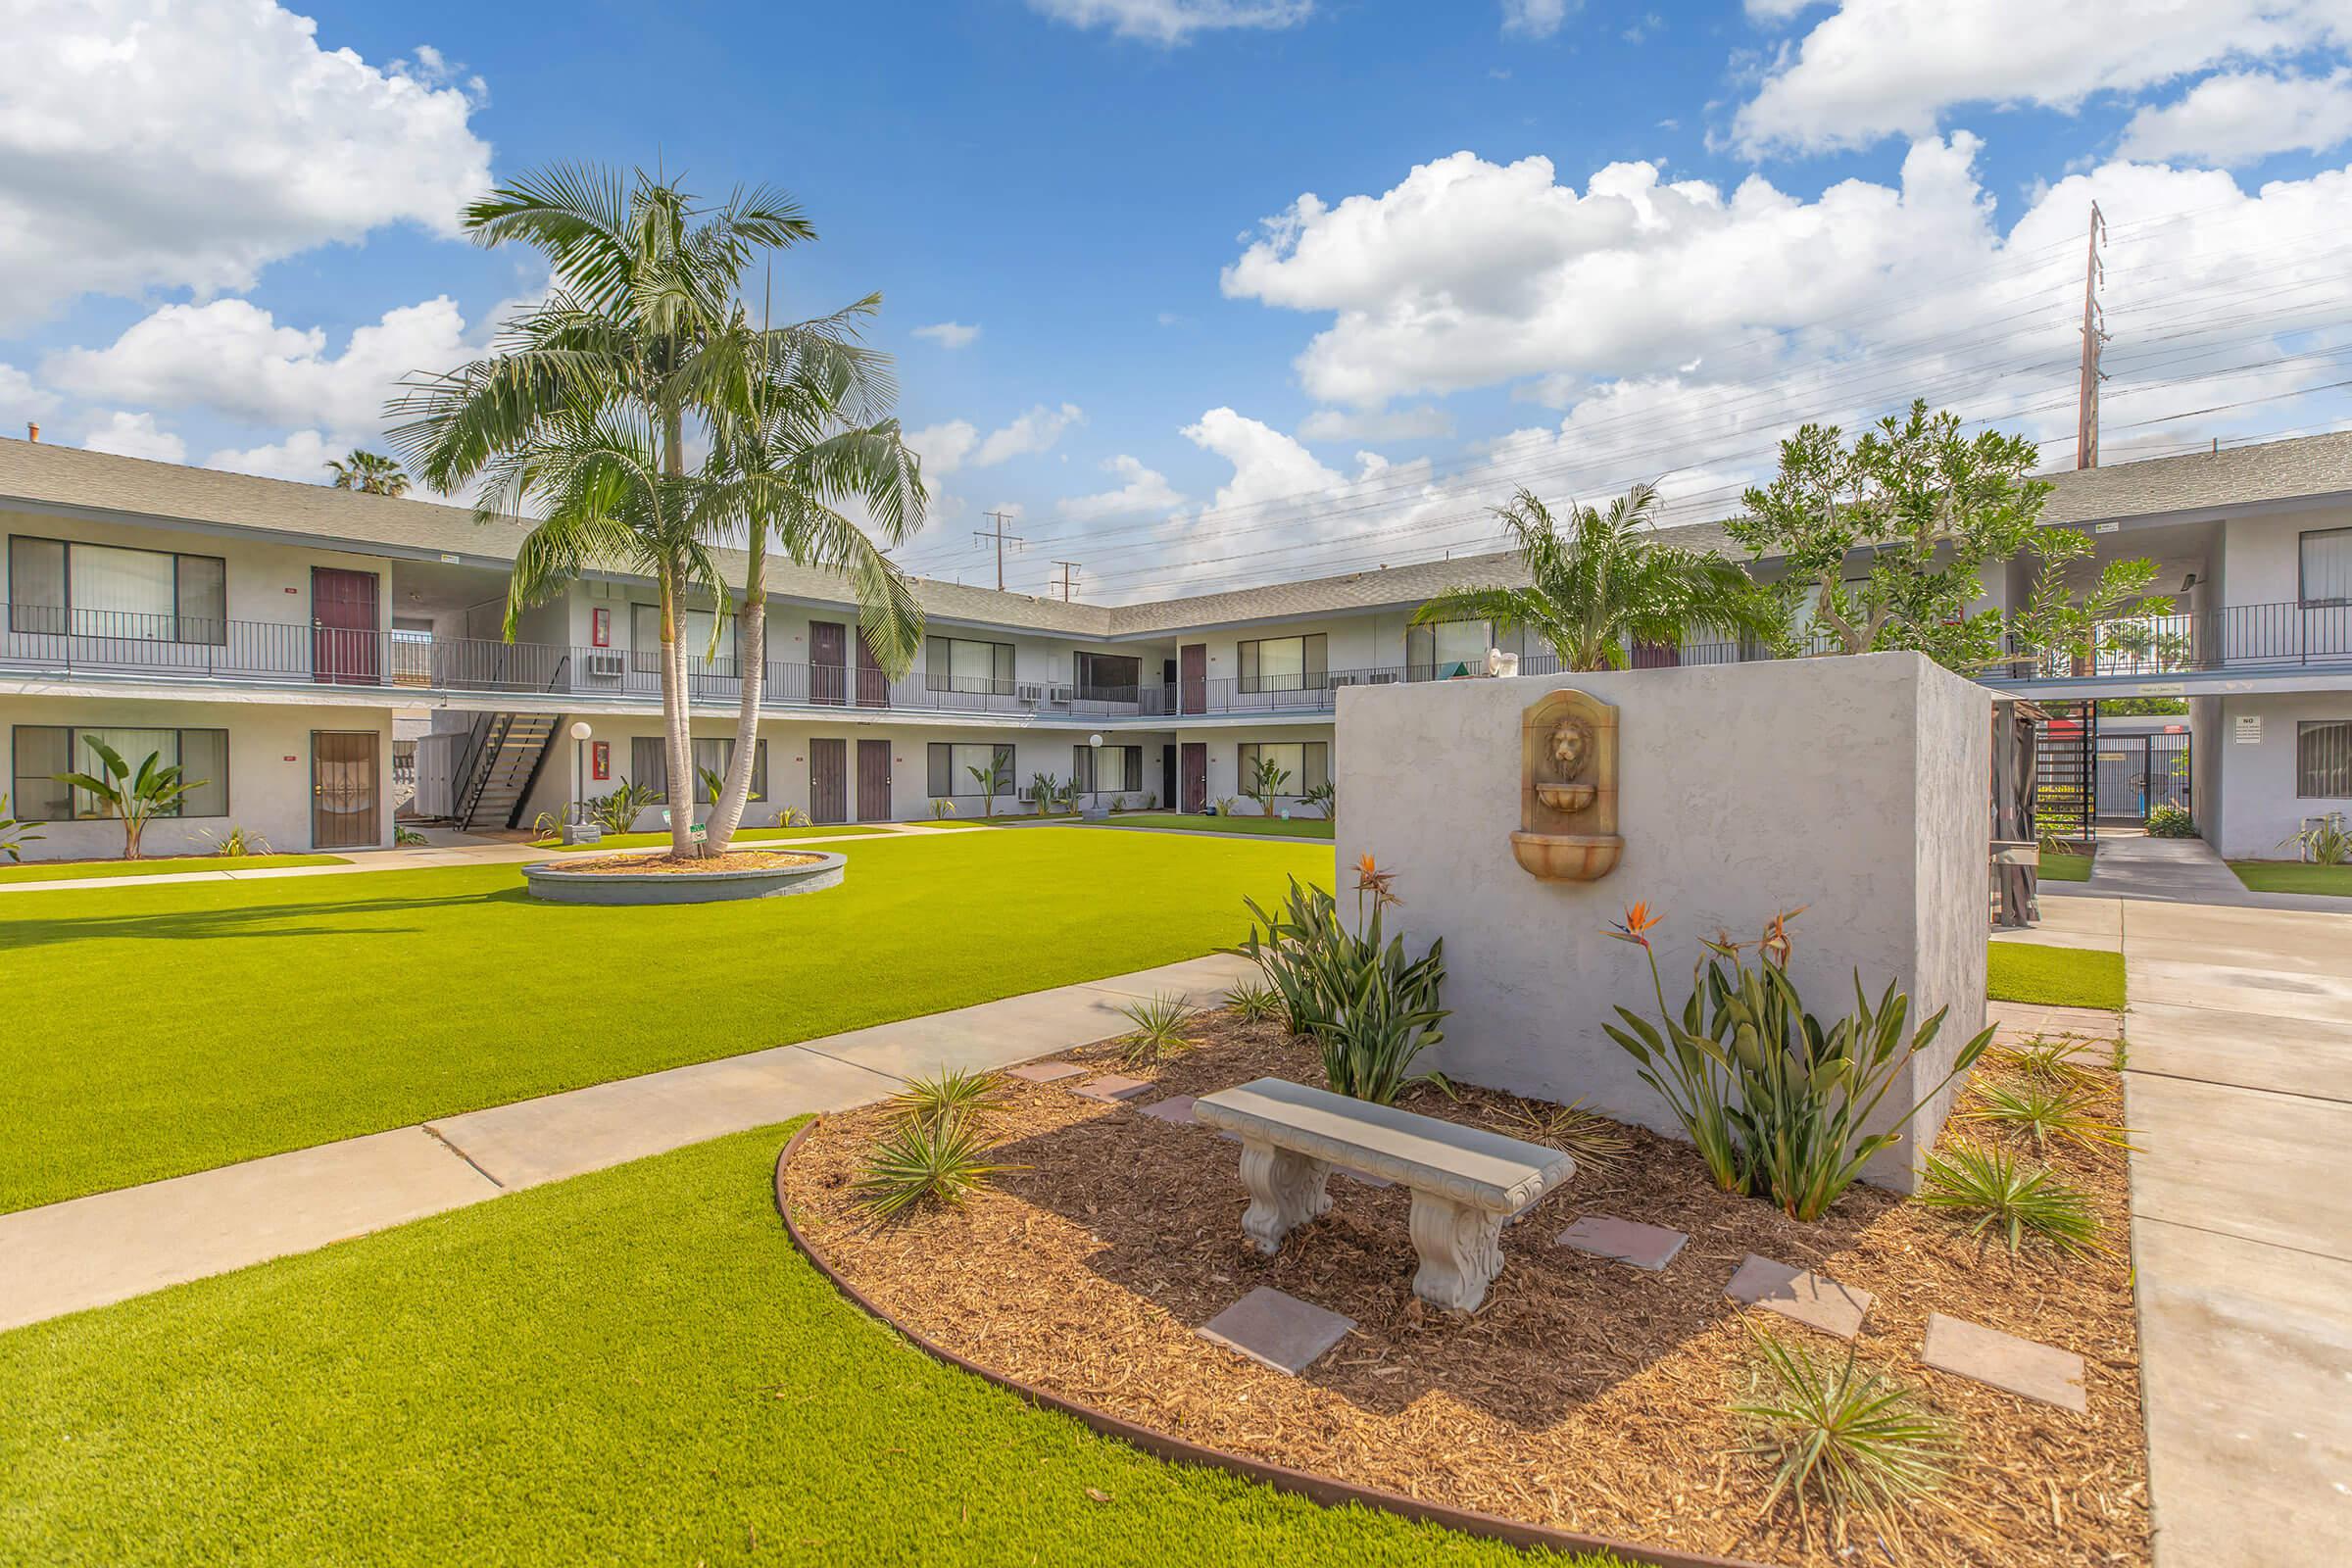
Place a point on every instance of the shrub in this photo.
(1841, 1435)
(2047, 1110)
(949, 1093)
(919, 1162)
(2010, 1199)
(942, 808)
(1324, 798)
(135, 795)
(2327, 842)
(2171, 822)
(1775, 1099)
(12, 833)
(1255, 1002)
(405, 836)
(238, 841)
(1158, 1032)
(617, 811)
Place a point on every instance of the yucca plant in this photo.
(2009, 1199)
(1254, 1002)
(2048, 1110)
(2046, 1061)
(918, 1163)
(238, 841)
(1597, 1144)
(1841, 1434)
(1158, 1033)
(950, 1092)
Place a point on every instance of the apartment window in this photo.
(2324, 760)
(962, 665)
(1306, 764)
(645, 640)
(2326, 567)
(58, 586)
(715, 755)
(952, 764)
(43, 751)
(1109, 677)
(1445, 649)
(649, 764)
(1107, 770)
(1285, 663)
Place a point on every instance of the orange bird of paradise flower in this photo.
(1637, 925)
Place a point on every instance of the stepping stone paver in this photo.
(1050, 1071)
(1177, 1109)
(1277, 1330)
(2024, 1367)
(1111, 1086)
(1623, 1241)
(1812, 1299)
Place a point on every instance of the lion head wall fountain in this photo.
(1568, 789)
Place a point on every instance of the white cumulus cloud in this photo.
(151, 144)
(1175, 21)
(1427, 422)
(302, 456)
(1145, 490)
(2236, 117)
(1537, 19)
(1032, 432)
(135, 435)
(948, 334)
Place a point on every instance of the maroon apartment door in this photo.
(828, 662)
(828, 781)
(343, 628)
(1192, 679)
(873, 687)
(873, 781)
(1196, 775)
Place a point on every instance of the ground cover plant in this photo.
(2059, 867)
(277, 1014)
(156, 866)
(2056, 977)
(474, 1389)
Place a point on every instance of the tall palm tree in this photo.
(645, 278)
(797, 430)
(368, 471)
(1605, 583)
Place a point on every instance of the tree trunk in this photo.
(675, 720)
(750, 643)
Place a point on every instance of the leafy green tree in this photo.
(1604, 583)
(368, 471)
(136, 795)
(1929, 509)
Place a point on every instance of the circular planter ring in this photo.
(558, 884)
(1324, 1489)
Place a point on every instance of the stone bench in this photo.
(1465, 1182)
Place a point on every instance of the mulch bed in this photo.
(1584, 1395)
(693, 865)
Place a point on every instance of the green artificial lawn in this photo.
(1296, 827)
(163, 865)
(2293, 876)
(629, 1367)
(2065, 868)
(158, 1030)
(643, 840)
(2057, 977)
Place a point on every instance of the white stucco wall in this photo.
(268, 770)
(1854, 786)
(2258, 806)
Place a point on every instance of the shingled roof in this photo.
(69, 481)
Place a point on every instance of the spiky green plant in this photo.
(1159, 1029)
(237, 842)
(2048, 1110)
(918, 1163)
(1841, 1434)
(1255, 1002)
(1597, 1144)
(950, 1092)
(2009, 1199)
(2042, 1060)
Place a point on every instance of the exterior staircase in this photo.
(502, 763)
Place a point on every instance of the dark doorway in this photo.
(828, 781)
(344, 804)
(1167, 777)
(1196, 775)
(344, 634)
(828, 664)
(873, 781)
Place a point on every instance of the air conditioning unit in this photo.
(606, 664)
(1029, 692)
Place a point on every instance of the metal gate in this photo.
(2064, 772)
(2136, 773)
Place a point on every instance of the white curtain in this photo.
(124, 593)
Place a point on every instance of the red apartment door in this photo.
(873, 687)
(828, 781)
(828, 660)
(1192, 679)
(343, 628)
(1196, 775)
(873, 781)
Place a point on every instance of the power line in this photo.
(1068, 586)
(1000, 539)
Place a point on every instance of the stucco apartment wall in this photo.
(1856, 788)
(1224, 760)
(2258, 806)
(268, 770)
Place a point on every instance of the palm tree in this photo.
(797, 429)
(368, 471)
(584, 410)
(1606, 583)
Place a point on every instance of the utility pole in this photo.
(2094, 335)
(1000, 539)
(1069, 581)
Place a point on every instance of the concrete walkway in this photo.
(90, 1251)
(2180, 872)
(2240, 1087)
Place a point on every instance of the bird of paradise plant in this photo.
(1684, 1062)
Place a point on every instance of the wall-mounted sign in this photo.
(601, 759)
(2105, 527)
(2163, 688)
(2249, 729)
(450, 559)
(600, 627)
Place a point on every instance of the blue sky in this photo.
(1750, 214)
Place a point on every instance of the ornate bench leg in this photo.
(1462, 1251)
(1286, 1189)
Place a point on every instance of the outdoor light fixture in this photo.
(1093, 772)
(580, 769)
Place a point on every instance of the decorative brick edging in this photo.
(1324, 1489)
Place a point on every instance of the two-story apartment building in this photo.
(263, 635)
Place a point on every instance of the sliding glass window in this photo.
(1306, 765)
(949, 765)
(41, 752)
(56, 586)
(1284, 663)
(962, 665)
